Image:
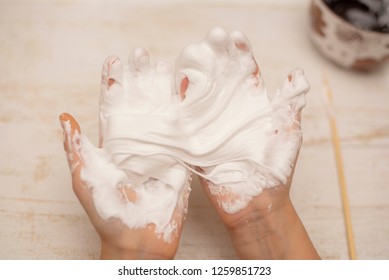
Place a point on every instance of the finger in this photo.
(111, 84)
(290, 100)
(139, 60)
(292, 92)
(220, 41)
(112, 72)
(72, 148)
(71, 132)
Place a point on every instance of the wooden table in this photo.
(51, 54)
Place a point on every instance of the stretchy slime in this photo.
(211, 115)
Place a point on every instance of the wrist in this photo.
(276, 233)
(259, 232)
(109, 252)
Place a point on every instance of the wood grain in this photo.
(51, 54)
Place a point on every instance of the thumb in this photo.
(72, 146)
(71, 134)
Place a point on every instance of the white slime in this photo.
(225, 125)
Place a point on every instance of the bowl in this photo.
(353, 34)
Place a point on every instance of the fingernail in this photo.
(66, 126)
(183, 87)
(62, 119)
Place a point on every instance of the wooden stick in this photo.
(340, 170)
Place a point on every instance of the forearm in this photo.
(277, 234)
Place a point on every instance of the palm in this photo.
(132, 202)
(251, 171)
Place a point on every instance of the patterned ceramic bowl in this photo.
(344, 43)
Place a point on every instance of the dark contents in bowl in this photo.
(365, 14)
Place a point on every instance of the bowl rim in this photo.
(367, 31)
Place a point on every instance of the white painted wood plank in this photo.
(51, 56)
